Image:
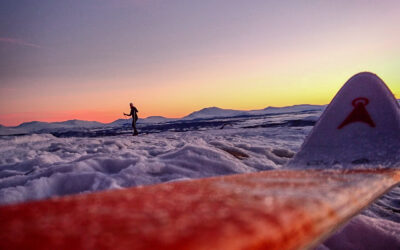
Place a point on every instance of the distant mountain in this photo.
(119, 122)
(80, 124)
(206, 113)
(155, 119)
(213, 112)
(32, 124)
(294, 108)
(37, 126)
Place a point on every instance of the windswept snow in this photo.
(41, 166)
(364, 232)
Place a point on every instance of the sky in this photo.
(87, 60)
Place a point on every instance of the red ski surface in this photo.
(282, 209)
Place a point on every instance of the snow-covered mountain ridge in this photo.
(203, 114)
(206, 113)
(214, 112)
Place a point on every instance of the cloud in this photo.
(18, 42)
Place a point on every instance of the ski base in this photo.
(281, 209)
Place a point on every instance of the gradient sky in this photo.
(87, 60)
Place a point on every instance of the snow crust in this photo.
(40, 166)
(364, 232)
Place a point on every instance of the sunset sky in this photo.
(87, 60)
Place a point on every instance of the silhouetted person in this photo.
(133, 113)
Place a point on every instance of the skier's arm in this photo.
(128, 114)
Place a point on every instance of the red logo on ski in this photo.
(359, 113)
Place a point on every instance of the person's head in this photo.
(131, 104)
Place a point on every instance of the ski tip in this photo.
(359, 128)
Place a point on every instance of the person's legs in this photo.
(135, 132)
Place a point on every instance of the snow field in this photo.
(40, 166)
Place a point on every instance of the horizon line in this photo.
(74, 119)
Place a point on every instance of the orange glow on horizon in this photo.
(176, 100)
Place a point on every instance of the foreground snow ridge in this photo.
(42, 166)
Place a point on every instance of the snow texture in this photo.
(40, 166)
